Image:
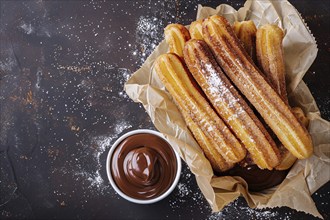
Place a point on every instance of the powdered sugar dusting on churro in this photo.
(220, 92)
(205, 124)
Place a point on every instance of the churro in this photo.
(195, 30)
(220, 146)
(176, 35)
(230, 105)
(232, 57)
(270, 57)
(246, 33)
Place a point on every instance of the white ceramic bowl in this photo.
(123, 195)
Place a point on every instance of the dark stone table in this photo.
(62, 69)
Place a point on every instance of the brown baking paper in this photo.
(300, 50)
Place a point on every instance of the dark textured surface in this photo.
(62, 69)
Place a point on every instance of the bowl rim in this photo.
(116, 188)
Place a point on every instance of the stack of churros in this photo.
(228, 82)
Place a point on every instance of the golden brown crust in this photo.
(300, 115)
(287, 158)
(271, 61)
(230, 105)
(195, 30)
(246, 33)
(270, 57)
(218, 143)
(176, 35)
(231, 56)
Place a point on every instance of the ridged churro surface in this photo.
(195, 30)
(270, 57)
(288, 159)
(246, 33)
(232, 57)
(220, 146)
(176, 35)
(230, 105)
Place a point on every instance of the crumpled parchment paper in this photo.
(300, 50)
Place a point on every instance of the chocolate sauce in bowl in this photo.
(143, 166)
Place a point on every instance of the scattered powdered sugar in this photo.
(87, 165)
(101, 145)
(210, 129)
(213, 78)
(218, 88)
(7, 64)
(185, 193)
(87, 100)
(39, 28)
(183, 190)
(221, 94)
(238, 209)
(121, 126)
(95, 180)
(148, 33)
(28, 29)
